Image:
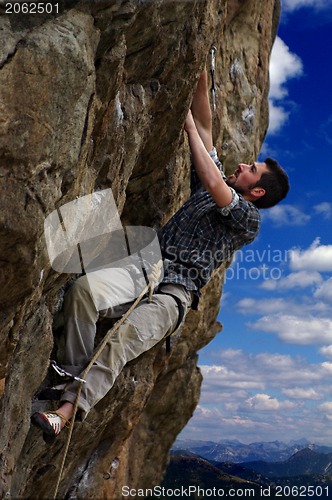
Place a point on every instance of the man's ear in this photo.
(257, 192)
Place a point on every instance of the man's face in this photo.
(245, 176)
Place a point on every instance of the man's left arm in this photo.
(201, 111)
(206, 169)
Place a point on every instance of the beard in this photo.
(231, 182)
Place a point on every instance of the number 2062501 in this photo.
(302, 491)
(31, 8)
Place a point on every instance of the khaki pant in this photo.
(145, 327)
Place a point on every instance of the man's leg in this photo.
(144, 328)
(80, 318)
(147, 325)
(98, 291)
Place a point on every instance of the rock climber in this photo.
(221, 215)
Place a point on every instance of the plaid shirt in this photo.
(201, 236)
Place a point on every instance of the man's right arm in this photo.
(206, 169)
(201, 111)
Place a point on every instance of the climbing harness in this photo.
(213, 51)
(147, 290)
(179, 321)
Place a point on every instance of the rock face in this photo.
(94, 96)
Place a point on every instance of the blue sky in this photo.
(267, 375)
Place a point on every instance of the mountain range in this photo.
(307, 472)
(234, 451)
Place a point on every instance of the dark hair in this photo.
(275, 182)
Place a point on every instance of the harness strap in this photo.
(179, 321)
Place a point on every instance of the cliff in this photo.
(94, 96)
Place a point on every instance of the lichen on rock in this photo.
(95, 97)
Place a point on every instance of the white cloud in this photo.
(275, 362)
(324, 292)
(286, 215)
(277, 117)
(299, 279)
(275, 308)
(326, 351)
(302, 393)
(224, 299)
(280, 402)
(324, 209)
(284, 65)
(262, 402)
(222, 377)
(327, 366)
(247, 372)
(316, 258)
(301, 330)
(263, 306)
(212, 421)
(267, 150)
(326, 407)
(291, 5)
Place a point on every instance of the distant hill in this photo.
(194, 475)
(304, 462)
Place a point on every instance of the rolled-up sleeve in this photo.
(227, 209)
(243, 216)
